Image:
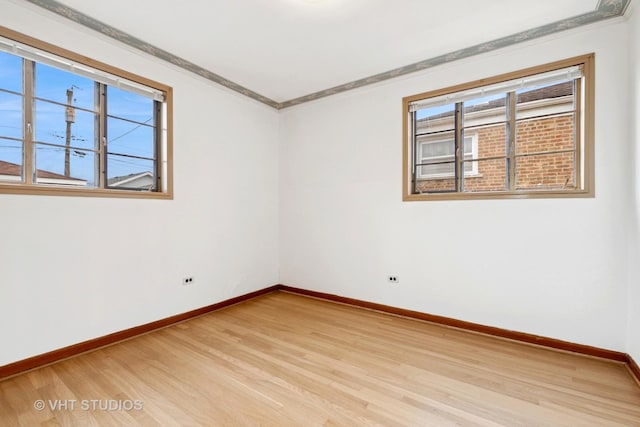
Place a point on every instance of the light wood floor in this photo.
(288, 360)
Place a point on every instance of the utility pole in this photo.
(70, 117)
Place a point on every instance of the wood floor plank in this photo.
(283, 359)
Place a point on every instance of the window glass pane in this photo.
(53, 84)
(546, 119)
(435, 119)
(543, 134)
(131, 139)
(10, 115)
(130, 173)
(546, 124)
(130, 106)
(436, 185)
(488, 175)
(11, 118)
(135, 139)
(439, 166)
(437, 148)
(437, 157)
(491, 141)
(10, 160)
(51, 125)
(485, 111)
(551, 98)
(436, 153)
(469, 147)
(10, 72)
(545, 171)
(50, 165)
(485, 118)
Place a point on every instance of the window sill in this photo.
(53, 190)
(532, 194)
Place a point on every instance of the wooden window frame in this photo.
(584, 134)
(163, 145)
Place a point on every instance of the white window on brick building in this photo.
(522, 134)
(438, 157)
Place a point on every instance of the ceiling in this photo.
(284, 52)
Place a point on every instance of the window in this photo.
(437, 157)
(73, 126)
(522, 134)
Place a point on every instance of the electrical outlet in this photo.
(393, 279)
(187, 281)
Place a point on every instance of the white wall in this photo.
(551, 267)
(73, 269)
(633, 331)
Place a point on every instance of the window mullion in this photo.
(511, 140)
(157, 135)
(458, 147)
(28, 147)
(577, 132)
(101, 101)
(414, 177)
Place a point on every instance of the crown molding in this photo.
(136, 43)
(606, 9)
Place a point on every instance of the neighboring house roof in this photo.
(141, 180)
(555, 91)
(548, 92)
(12, 169)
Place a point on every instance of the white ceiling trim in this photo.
(605, 9)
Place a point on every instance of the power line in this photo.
(131, 130)
(125, 162)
